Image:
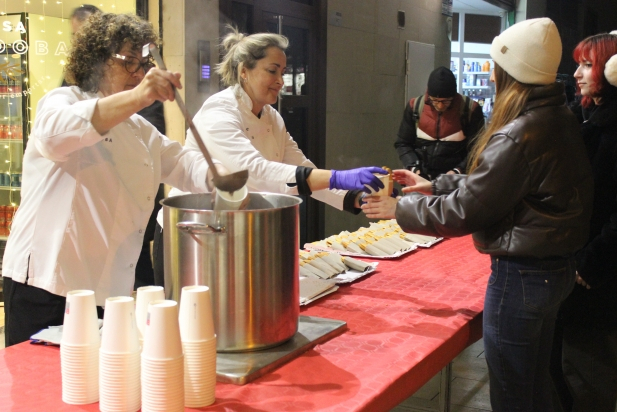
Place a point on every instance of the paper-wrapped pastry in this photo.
(304, 272)
(333, 244)
(353, 247)
(320, 274)
(413, 237)
(313, 288)
(356, 264)
(333, 260)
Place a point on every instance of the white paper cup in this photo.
(196, 321)
(199, 373)
(119, 381)
(162, 332)
(80, 375)
(145, 295)
(162, 384)
(230, 201)
(120, 334)
(81, 325)
(387, 189)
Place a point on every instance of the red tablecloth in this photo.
(405, 322)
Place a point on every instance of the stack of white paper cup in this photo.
(119, 369)
(162, 362)
(199, 344)
(79, 349)
(145, 295)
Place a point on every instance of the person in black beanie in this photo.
(438, 128)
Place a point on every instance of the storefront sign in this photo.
(8, 26)
(41, 47)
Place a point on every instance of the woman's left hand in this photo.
(379, 207)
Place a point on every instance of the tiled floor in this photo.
(469, 386)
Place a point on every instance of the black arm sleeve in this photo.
(597, 261)
(406, 139)
(302, 173)
(472, 131)
(350, 200)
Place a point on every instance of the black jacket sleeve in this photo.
(475, 201)
(471, 132)
(597, 261)
(406, 139)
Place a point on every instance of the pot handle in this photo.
(199, 228)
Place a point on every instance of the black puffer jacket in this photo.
(597, 261)
(531, 194)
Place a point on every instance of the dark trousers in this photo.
(144, 273)
(28, 309)
(590, 367)
(520, 308)
(158, 256)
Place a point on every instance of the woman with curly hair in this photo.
(91, 171)
(589, 314)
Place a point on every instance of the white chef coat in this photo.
(242, 141)
(87, 198)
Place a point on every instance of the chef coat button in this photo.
(149, 197)
(141, 231)
(268, 129)
(146, 164)
(247, 129)
(131, 265)
(277, 154)
(252, 137)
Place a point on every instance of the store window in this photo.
(35, 39)
(472, 35)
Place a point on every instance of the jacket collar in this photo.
(242, 97)
(603, 115)
(550, 95)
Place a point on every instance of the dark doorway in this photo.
(303, 103)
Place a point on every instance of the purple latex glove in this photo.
(356, 179)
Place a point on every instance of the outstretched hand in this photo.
(379, 207)
(412, 182)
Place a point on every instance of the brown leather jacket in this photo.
(531, 194)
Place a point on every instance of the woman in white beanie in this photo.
(527, 202)
(589, 314)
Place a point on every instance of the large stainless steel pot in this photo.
(248, 258)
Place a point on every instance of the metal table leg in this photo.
(445, 384)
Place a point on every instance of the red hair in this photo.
(596, 50)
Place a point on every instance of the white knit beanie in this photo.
(529, 51)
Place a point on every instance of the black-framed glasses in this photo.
(445, 102)
(133, 65)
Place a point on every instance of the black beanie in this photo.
(441, 83)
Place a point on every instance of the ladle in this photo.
(228, 183)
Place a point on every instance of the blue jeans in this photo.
(520, 308)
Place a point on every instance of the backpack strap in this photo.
(417, 108)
